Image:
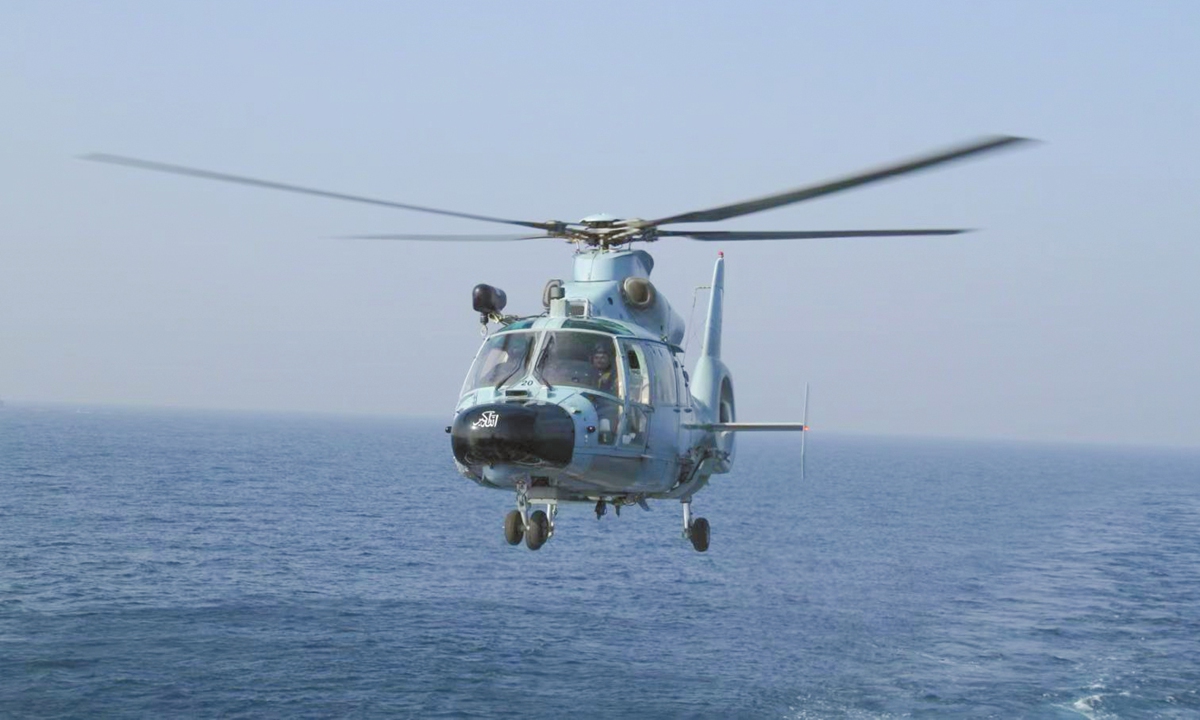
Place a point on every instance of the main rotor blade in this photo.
(241, 180)
(801, 234)
(725, 212)
(453, 238)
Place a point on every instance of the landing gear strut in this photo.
(695, 530)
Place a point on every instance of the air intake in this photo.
(638, 292)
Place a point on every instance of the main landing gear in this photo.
(534, 527)
(695, 530)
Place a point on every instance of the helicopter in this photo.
(588, 401)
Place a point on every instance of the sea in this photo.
(170, 563)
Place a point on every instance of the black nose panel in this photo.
(534, 435)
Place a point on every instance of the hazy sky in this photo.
(1073, 314)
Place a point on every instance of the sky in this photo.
(1071, 314)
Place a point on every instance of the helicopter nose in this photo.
(534, 435)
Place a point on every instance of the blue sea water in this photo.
(163, 564)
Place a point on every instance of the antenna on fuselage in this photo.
(804, 432)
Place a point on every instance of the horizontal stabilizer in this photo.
(743, 426)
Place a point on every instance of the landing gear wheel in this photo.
(537, 532)
(514, 527)
(699, 534)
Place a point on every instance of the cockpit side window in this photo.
(502, 358)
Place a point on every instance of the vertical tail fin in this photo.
(712, 328)
(710, 381)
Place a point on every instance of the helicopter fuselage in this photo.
(589, 401)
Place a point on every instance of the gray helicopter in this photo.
(588, 401)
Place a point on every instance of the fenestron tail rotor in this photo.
(611, 232)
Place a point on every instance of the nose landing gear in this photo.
(534, 528)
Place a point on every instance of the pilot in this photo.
(604, 375)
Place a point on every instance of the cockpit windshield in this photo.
(502, 358)
(582, 359)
